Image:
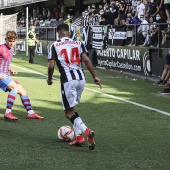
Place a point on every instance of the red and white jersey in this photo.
(5, 59)
(67, 54)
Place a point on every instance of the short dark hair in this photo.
(63, 27)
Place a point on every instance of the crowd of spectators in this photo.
(114, 12)
(149, 15)
(41, 17)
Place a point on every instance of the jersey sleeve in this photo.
(83, 49)
(52, 53)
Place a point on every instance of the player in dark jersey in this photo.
(8, 84)
(68, 55)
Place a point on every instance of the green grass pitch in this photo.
(128, 136)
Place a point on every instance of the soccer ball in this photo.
(65, 133)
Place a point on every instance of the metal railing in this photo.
(159, 33)
(43, 33)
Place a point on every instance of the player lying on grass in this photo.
(68, 55)
(9, 85)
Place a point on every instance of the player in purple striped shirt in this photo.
(9, 85)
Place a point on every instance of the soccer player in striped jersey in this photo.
(68, 55)
(9, 85)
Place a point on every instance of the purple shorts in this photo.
(5, 82)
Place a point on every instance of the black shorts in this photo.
(122, 16)
(167, 6)
(168, 59)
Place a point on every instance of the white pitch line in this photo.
(131, 102)
(105, 94)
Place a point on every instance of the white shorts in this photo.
(71, 93)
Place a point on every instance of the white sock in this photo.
(7, 111)
(77, 131)
(79, 124)
(31, 112)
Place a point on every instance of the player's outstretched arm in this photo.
(51, 65)
(89, 66)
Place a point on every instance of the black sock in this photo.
(73, 118)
